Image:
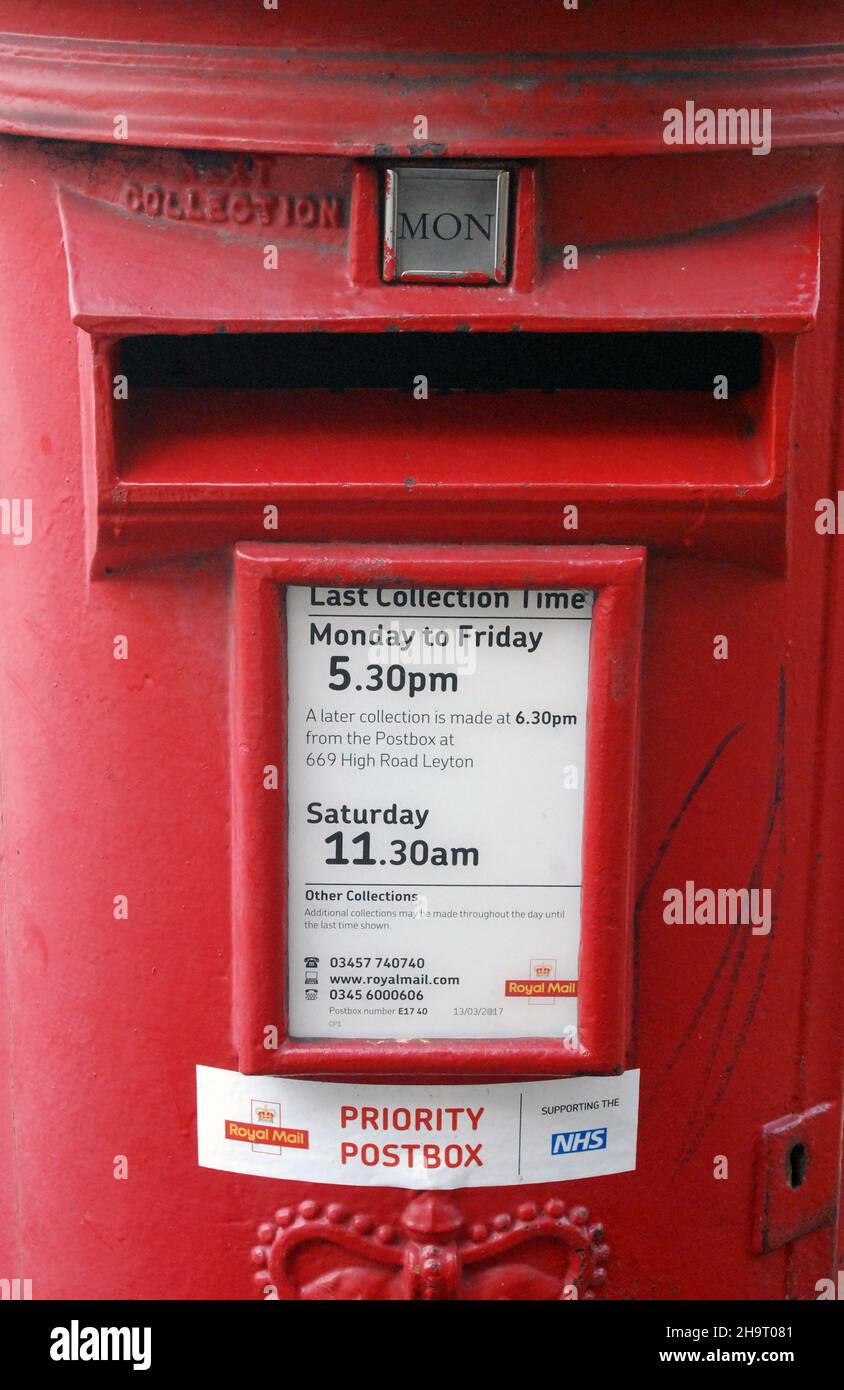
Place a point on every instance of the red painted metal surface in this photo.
(149, 456)
(117, 774)
(351, 82)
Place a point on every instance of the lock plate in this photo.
(796, 1173)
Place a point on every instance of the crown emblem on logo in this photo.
(543, 971)
(266, 1115)
(538, 1252)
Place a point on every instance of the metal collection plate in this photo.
(446, 225)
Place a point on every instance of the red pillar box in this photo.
(420, 711)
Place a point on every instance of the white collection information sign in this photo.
(436, 753)
(417, 1136)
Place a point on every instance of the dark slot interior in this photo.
(457, 361)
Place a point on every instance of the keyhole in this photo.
(798, 1161)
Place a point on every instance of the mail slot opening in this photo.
(450, 361)
(411, 410)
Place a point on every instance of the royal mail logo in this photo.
(542, 982)
(578, 1141)
(265, 1131)
(540, 989)
(274, 1135)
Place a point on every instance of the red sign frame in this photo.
(616, 573)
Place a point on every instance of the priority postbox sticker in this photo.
(417, 1136)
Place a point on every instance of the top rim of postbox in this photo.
(207, 96)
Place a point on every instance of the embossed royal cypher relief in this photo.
(436, 748)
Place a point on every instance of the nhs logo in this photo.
(578, 1141)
